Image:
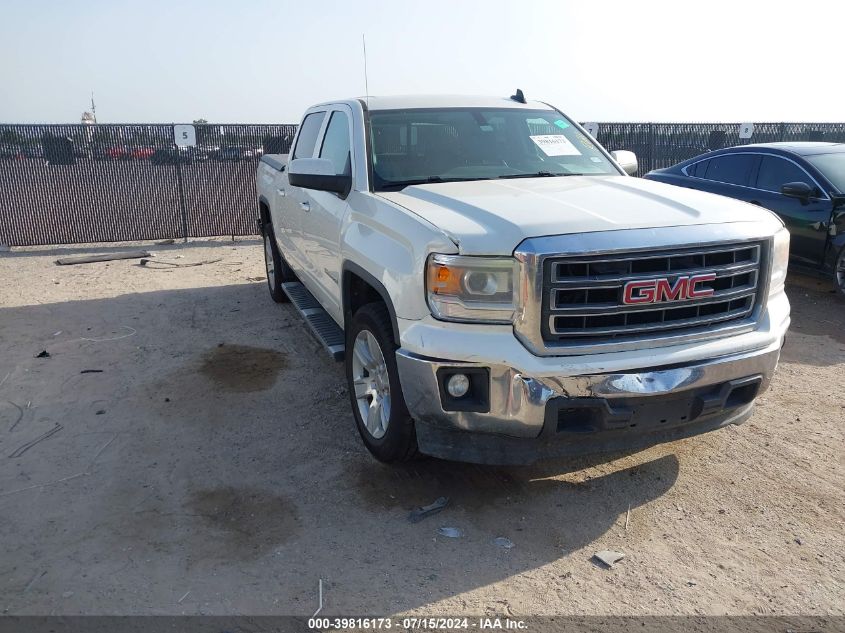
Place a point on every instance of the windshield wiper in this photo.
(401, 184)
(539, 174)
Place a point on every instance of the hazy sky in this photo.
(257, 61)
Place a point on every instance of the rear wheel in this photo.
(378, 405)
(278, 271)
(839, 273)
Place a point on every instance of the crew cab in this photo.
(501, 290)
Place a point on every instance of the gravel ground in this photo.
(199, 456)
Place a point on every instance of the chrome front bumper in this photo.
(518, 427)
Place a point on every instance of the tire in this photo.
(278, 271)
(388, 430)
(839, 273)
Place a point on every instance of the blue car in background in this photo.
(803, 183)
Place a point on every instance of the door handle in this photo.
(306, 206)
(282, 192)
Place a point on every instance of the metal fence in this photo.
(62, 184)
(660, 145)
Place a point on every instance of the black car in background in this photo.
(803, 183)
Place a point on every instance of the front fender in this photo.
(391, 245)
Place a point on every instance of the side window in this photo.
(776, 172)
(697, 169)
(733, 169)
(336, 144)
(308, 135)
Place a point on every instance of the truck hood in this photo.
(491, 217)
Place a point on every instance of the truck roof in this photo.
(409, 102)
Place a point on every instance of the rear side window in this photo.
(336, 144)
(733, 169)
(776, 172)
(697, 169)
(308, 135)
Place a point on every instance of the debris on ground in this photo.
(144, 262)
(503, 542)
(165, 242)
(608, 557)
(91, 371)
(25, 447)
(131, 332)
(106, 257)
(450, 532)
(43, 354)
(19, 418)
(419, 514)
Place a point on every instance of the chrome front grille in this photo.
(582, 295)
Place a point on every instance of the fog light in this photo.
(457, 385)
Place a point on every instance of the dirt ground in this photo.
(198, 456)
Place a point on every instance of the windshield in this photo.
(832, 167)
(442, 145)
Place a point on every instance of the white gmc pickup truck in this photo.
(501, 290)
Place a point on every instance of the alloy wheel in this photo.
(372, 384)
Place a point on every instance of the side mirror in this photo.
(800, 190)
(319, 174)
(626, 160)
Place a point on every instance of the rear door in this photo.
(322, 221)
(807, 220)
(291, 202)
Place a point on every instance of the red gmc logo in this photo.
(660, 290)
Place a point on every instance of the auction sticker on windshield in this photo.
(555, 145)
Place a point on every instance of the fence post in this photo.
(650, 148)
(782, 131)
(180, 188)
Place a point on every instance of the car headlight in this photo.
(780, 261)
(471, 289)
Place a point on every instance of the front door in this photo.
(322, 222)
(291, 202)
(807, 220)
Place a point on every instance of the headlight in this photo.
(471, 289)
(780, 260)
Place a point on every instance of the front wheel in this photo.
(839, 273)
(378, 405)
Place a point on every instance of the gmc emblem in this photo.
(660, 290)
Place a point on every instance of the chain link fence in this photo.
(659, 145)
(64, 184)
